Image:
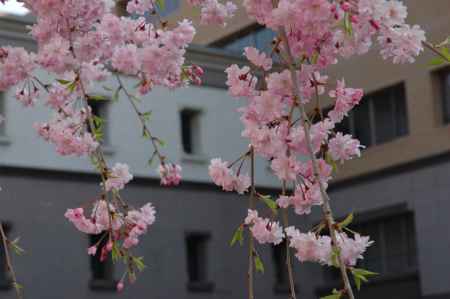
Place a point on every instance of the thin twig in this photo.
(325, 198)
(435, 50)
(251, 241)
(142, 120)
(9, 263)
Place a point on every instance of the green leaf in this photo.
(71, 87)
(346, 221)
(115, 253)
(348, 24)
(63, 82)
(360, 275)
(259, 266)
(270, 203)
(335, 253)
(330, 161)
(139, 262)
(335, 295)
(107, 88)
(146, 115)
(115, 96)
(97, 98)
(437, 61)
(238, 236)
(160, 4)
(16, 248)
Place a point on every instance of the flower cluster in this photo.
(313, 248)
(214, 12)
(264, 230)
(222, 175)
(284, 120)
(124, 229)
(170, 174)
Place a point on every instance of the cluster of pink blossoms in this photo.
(89, 46)
(313, 248)
(318, 34)
(222, 175)
(214, 12)
(264, 230)
(124, 228)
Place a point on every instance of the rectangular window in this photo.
(190, 131)
(394, 251)
(100, 111)
(2, 114)
(445, 83)
(281, 271)
(5, 280)
(380, 117)
(197, 262)
(102, 271)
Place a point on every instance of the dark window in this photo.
(281, 270)
(101, 270)
(5, 280)
(394, 251)
(190, 131)
(2, 114)
(100, 111)
(445, 82)
(380, 117)
(197, 262)
(258, 37)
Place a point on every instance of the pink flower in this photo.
(240, 82)
(352, 249)
(257, 58)
(223, 176)
(344, 147)
(402, 43)
(346, 99)
(26, 96)
(125, 59)
(213, 12)
(118, 178)
(170, 174)
(120, 286)
(139, 6)
(15, 66)
(286, 168)
(264, 230)
(92, 250)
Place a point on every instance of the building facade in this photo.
(398, 190)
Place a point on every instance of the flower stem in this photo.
(9, 263)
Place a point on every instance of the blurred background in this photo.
(399, 190)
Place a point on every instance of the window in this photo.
(101, 271)
(260, 38)
(281, 272)
(190, 131)
(2, 114)
(5, 281)
(380, 117)
(100, 109)
(445, 83)
(394, 252)
(197, 262)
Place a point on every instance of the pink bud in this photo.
(120, 286)
(345, 6)
(109, 245)
(92, 250)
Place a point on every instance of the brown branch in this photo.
(251, 241)
(9, 263)
(435, 50)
